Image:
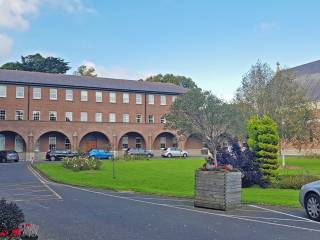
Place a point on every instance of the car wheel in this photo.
(52, 158)
(312, 204)
(169, 155)
(185, 155)
(149, 155)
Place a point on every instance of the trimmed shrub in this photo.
(80, 163)
(295, 181)
(264, 142)
(10, 216)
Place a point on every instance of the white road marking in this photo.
(44, 182)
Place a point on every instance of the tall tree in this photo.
(38, 63)
(203, 114)
(83, 70)
(181, 81)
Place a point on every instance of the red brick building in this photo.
(41, 111)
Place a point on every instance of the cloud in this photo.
(70, 6)
(116, 71)
(5, 46)
(266, 26)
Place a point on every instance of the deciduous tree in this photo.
(175, 79)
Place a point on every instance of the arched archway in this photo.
(94, 140)
(10, 140)
(164, 140)
(131, 140)
(194, 142)
(52, 140)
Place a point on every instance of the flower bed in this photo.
(80, 163)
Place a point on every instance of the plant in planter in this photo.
(29, 231)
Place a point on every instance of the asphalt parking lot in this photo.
(68, 212)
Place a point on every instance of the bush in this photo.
(295, 181)
(80, 163)
(10, 216)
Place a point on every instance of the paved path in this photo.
(65, 212)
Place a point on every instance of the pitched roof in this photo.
(308, 75)
(72, 81)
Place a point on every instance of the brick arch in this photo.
(133, 134)
(193, 142)
(10, 138)
(44, 144)
(169, 143)
(41, 132)
(94, 139)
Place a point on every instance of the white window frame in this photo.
(98, 117)
(112, 97)
(84, 96)
(139, 118)
(54, 114)
(34, 114)
(125, 98)
(36, 93)
(163, 120)
(163, 100)
(138, 142)
(52, 143)
(3, 114)
(69, 94)
(68, 116)
(19, 115)
(150, 118)
(125, 142)
(174, 98)
(83, 116)
(2, 142)
(98, 96)
(125, 118)
(53, 94)
(3, 91)
(18, 144)
(112, 117)
(67, 143)
(151, 99)
(138, 98)
(19, 91)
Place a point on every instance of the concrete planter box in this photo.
(217, 189)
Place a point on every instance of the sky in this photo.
(213, 42)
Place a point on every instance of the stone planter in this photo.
(217, 189)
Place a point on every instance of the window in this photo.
(98, 117)
(68, 116)
(163, 142)
(174, 142)
(125, 142)
(138, 99)
(2, 114)
(150, 119)
(2, 142)
(19, 92)
(112, 97)
(36, 115)
(163, 119)
(3, 91)
(138, 142)
(18, 143)
(69, 95)
(53, 116)
(138, 118)
(52, 142)
(83, 116)
(174, 98)
(98, 96)
(125, 98)
(125, 118)
(36, 93)
(53, 94)
(112, 117)
(163, 100)
(150, 99)
(84, 95)
(19, 115)
(67, 143)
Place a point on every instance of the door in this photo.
(90, 143)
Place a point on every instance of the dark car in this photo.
(55, 155)
(9, 156)
(138, 152)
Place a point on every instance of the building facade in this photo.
(41, 111)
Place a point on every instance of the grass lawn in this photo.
(172, 177)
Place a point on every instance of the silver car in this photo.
(310, 199)
(174, 152)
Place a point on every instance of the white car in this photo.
(174, 152)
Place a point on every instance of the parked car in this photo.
(9, 156)
(55, 155)
(138, 152)
(310, 199)
(100, 154)
(174, 152)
